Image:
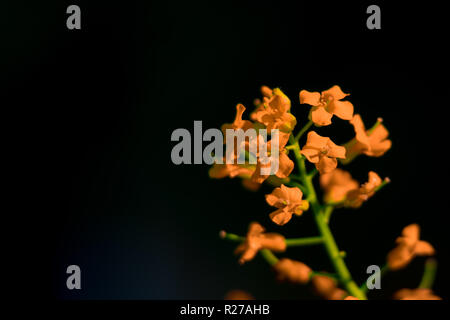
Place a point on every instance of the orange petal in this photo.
(285, 103)
(311, 98)
(311, 154)
(274, 242)
(294, 195)
(280, 216)
(424, 248)
(336, 151)
(399, 257)
(273, 200)
(379, 133)
(323, 285)
(316, 141)
(266, 91)
(360, 130)
(335, 92)
(237, 294)
(320, 116)
(285, 166)
(218, 171)
(255, 229)
(326, 164)
(292, 271)
(341, 109)
(248, 255)
(411, 231)
(378, 149)
(250, 185)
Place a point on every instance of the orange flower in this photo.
(238, 123)
(250, 185)
(288, 201)
(257, 240)
(416, 294)
(326, 104)
(292, 271)
(350, 298)
(219, 171)
(408, 246)
(355, 198)
(372, 142)
(237, 294)
(337, 184)
(325, 287)
(274, 111)
(322, 152)
(285, 164)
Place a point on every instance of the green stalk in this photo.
(429, 274)
(303, 130)
(303, 241)
(269, 256)
(329, 242)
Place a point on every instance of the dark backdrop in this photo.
(103, 101)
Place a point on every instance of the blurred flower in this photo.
(288, 201)
(292, 271)
(337, 184)
(408, 246)
(219, 171)
(350, 298)
(416, 294)
(322, 152)
(355, 198)
(373, 142)
(325, 287)
(237, 294)
(326, 104)
(250, 185)
(273, 112)
(256, 240)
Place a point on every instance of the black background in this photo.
(95, 109)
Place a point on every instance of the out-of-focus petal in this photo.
(423, 248)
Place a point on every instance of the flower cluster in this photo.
(294, 192)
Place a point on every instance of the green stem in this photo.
(326, 274)
(327, 213)
(429, 274)
(266, 254)
(269, 256)
(385, 182)
(297, 242)
(312, 173)
(329, 242)
(303, 130)
(231, 236)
